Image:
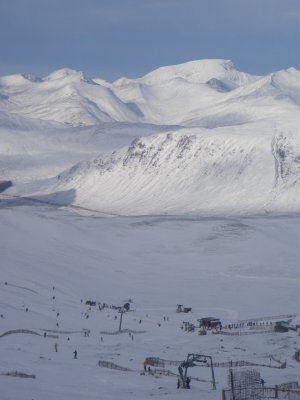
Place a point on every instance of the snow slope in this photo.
(33, 148)
(234, 148)
(158, 262)
(198, 171)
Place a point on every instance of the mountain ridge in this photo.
(167, 95)
(205, 139)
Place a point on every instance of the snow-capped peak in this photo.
(17, 80)
(205, 93)
(199, 71)
(66, 73)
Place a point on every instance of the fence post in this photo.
(232, 384)
(276, 392)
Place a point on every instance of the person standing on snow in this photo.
(188, 381)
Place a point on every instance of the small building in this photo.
(180, 308)
(281, 326)
(210, 323)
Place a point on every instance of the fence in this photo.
(153, 371)
(17, 374)
(121, 331)
(242, 333)
(59, 331)
(276, 392)
(159, 362)
(111, 365)
(278, 317)
(242, 363)
(27, 331)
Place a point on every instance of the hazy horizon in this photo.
(131, 37)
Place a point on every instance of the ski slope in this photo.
(233, 269)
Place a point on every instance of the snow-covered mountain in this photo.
(189, 171)
(64, 96)
(221, 141)
(204, 93)
(210, 93)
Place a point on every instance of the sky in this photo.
(114, 38)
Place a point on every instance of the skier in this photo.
(55, 347)
(188, 381)
(178, 383)
(75, 354)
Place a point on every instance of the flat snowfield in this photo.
(51, 259)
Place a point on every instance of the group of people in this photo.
(187, 383)
(147, 369)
